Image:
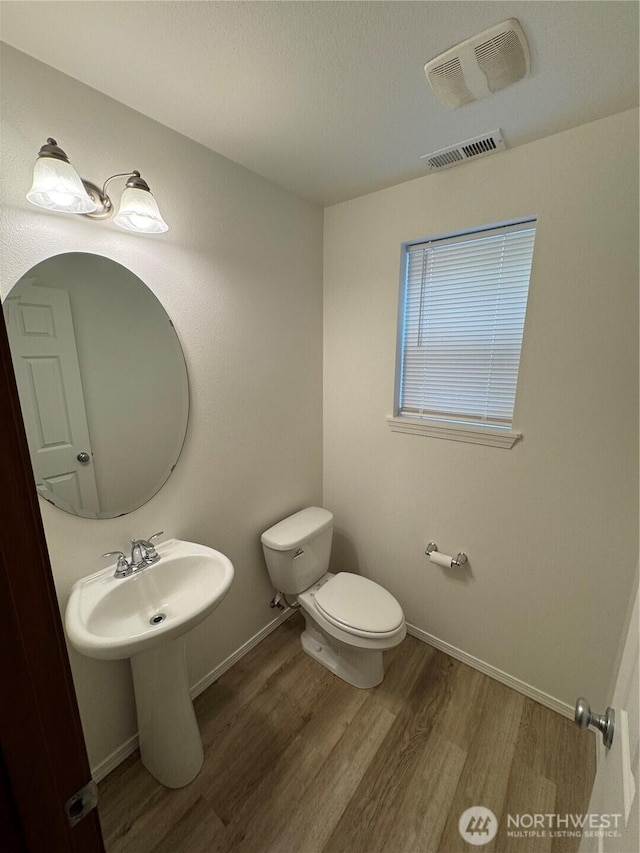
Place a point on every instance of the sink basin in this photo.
(110, 617)
(145, 617)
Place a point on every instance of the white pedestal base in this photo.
(170, 742)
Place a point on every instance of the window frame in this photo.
(449, 427)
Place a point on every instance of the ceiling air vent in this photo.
(481, 65)
(470, 149)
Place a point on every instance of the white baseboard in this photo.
(110, 763)
(103, 768)
(503, 677)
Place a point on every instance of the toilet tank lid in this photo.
(293, 531)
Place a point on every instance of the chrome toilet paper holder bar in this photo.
(459, 560)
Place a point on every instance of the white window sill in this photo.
(492, 436)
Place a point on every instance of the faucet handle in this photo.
(143, 551)
(148, 545)
(123, 567)
(147, 541)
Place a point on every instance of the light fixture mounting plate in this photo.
(105, 207)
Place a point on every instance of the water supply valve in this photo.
(276, 601)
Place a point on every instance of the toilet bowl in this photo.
(349, 620)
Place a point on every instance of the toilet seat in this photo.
(359, 606)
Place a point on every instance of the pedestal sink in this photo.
(145, 617)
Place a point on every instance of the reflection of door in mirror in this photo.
(103, 383)
(45, 361)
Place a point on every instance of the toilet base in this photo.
(360, 667)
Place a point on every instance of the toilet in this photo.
(349, 620)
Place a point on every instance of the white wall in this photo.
(550, 526)
(239, 273)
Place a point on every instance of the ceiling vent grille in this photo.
(470, 149)
(480, 66)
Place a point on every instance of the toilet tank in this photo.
(297, 549)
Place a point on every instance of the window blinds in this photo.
(464, 311)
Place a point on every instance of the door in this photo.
(45, 361)
(43, 760)
(615, 792)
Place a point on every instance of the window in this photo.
(462, 315)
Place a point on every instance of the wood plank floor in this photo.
(297, 761)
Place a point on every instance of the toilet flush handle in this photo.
(298, 553)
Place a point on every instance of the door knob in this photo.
(83, 458)
(605, 724)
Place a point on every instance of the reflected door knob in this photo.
(605, 724)
(83, 458)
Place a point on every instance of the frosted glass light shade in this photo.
(139, 212)
(57, 186)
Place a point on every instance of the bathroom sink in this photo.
(110, 617)
(145, 617)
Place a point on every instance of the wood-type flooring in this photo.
(297, 761)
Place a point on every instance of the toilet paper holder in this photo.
(459, 560)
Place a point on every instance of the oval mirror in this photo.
(102, 383)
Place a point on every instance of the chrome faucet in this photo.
(143, 553)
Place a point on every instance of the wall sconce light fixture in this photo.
(57, 186)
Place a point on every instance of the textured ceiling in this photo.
(329, 99)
